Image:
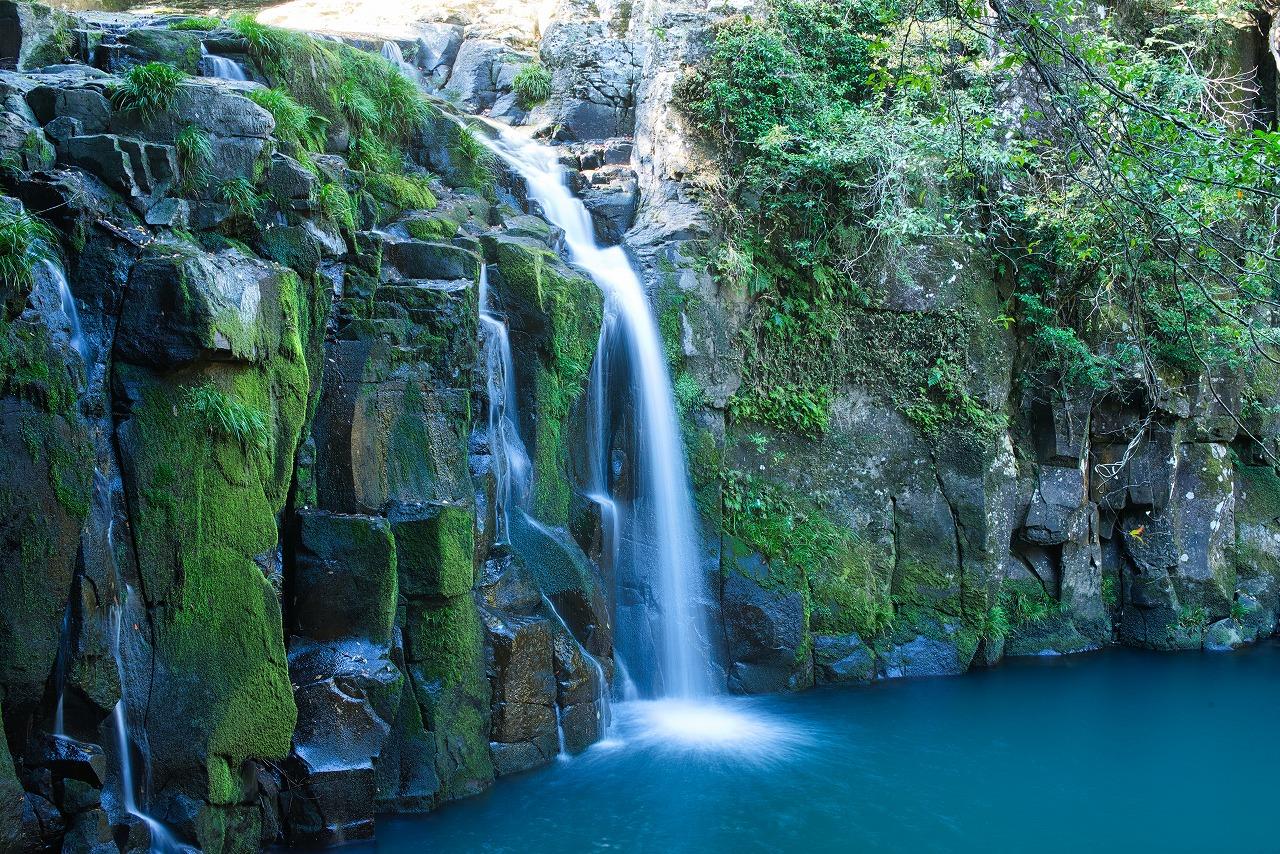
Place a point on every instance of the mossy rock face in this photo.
(33, 35)
(1181, 572)
(344, 583)
(387, 432)
(555, 318)
(45, 492)
(436, 545)
(766, 625)
(207, 459)
(179, 48)
(11, 797)
(444, 652)
(186, 305)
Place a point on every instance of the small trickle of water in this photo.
(392, 53)
(68, 301)
(213, 65)
(511, 466)
(602, 684)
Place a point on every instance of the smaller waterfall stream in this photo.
(162, 842)
(68, 300)
(220, 66)
(512, 469)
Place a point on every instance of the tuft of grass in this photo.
(24, 242)
(148, 89)
(227, 417)
(242, 197)
(532, 85)
(337, 206)
(275, 48)
(195, 157)
(479, 160)
(199, 22)
(296, 125)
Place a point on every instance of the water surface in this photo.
(1117, 751)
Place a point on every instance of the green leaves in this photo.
(24, 242)
(148, 89)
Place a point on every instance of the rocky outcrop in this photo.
(246, 503)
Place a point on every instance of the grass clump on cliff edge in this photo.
(202, 23)
(325, 91)
(532, 85)
(225, 416)
(300, 128)
(195, 157)
(148, 89)
(24, 242)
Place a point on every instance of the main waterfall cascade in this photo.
(664, 642)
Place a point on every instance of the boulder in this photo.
(923, 657)
(179, 48)
(843, 658)
(215, 314)
(416, 259)
(764, 625)
(344, 583)
(437, 46)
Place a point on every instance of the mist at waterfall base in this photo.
(1121, 750)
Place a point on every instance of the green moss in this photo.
(437, 553)
(205, 501)
(809, 552)
(432, 229)
(445, 646)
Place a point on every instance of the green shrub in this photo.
(242, 197)
(337, 206)
(196, 23)
(299, 127)
(24, 242)
(148, 89)
(195, 157)
(532, 85)
(225, 416)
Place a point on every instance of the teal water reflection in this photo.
(1117, 751)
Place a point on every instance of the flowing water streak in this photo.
(512, 469)
(602, 684)
(162, 842)
(676, 581)
(69, 309)
(220, 66)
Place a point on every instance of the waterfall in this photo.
(162, 842)
(59, 278)
(511, 466)
(660, 521)
(220, 66)
(392, 53)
